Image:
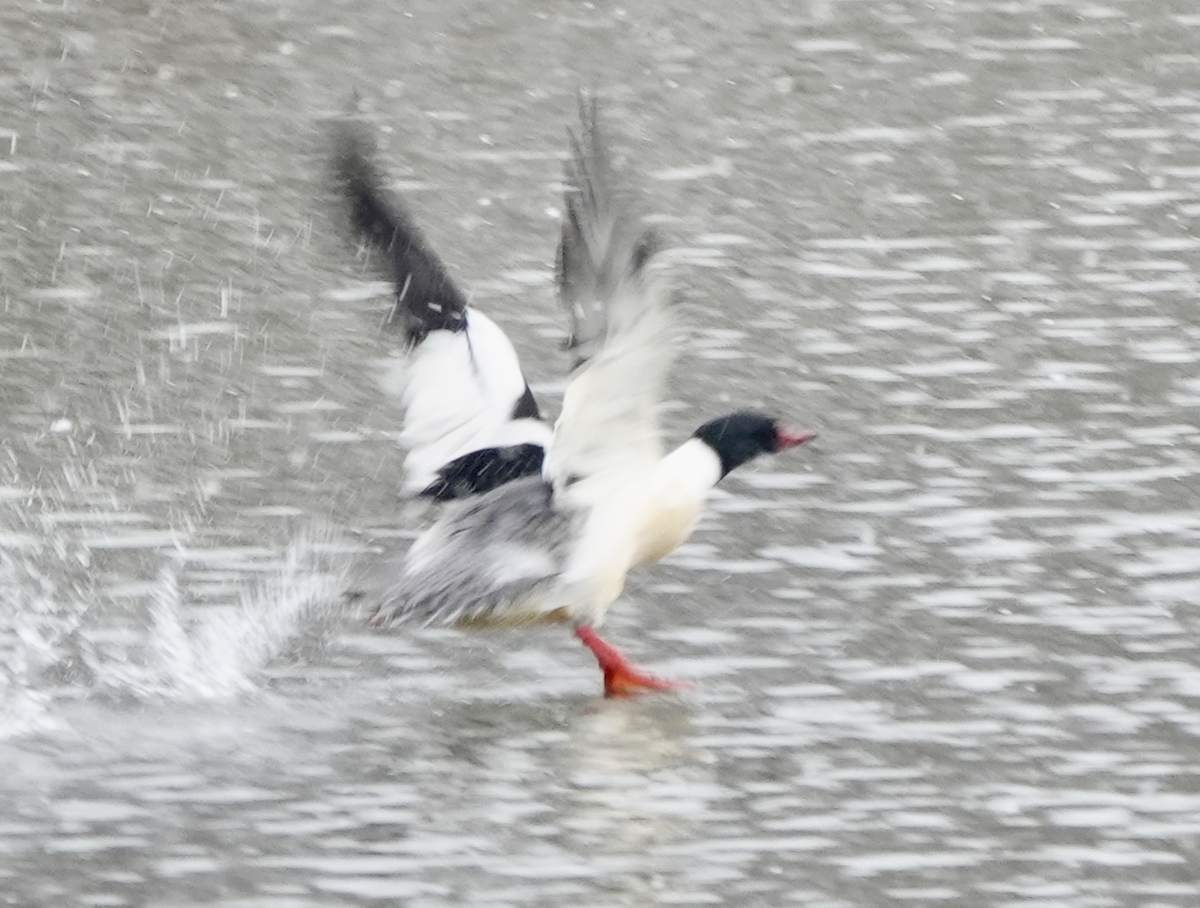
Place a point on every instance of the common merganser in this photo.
(544, 526)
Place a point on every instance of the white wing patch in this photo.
(460, 392)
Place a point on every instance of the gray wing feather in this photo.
(604, 247)
(617, 299)
(489, 555)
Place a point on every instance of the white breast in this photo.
(678, 492)
(633, 520)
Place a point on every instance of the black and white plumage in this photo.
(557, 543)
(471, 422)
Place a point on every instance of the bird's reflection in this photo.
(637, 785)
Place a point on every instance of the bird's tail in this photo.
(426, 298)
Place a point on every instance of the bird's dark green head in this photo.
(740, 437)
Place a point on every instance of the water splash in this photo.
(34, 631)
(219, 653)
(59, 640)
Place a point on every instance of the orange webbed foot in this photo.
(621, 677)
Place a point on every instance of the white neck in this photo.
(693, 465)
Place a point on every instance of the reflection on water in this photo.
(638, 788)
(946, 655)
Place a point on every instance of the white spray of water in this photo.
(33, 629)
(219, 652)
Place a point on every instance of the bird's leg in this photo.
(621, 677)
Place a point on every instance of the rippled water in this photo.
(944, 656)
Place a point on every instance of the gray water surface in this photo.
(945, 655)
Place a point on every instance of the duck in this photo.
(542, 522)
